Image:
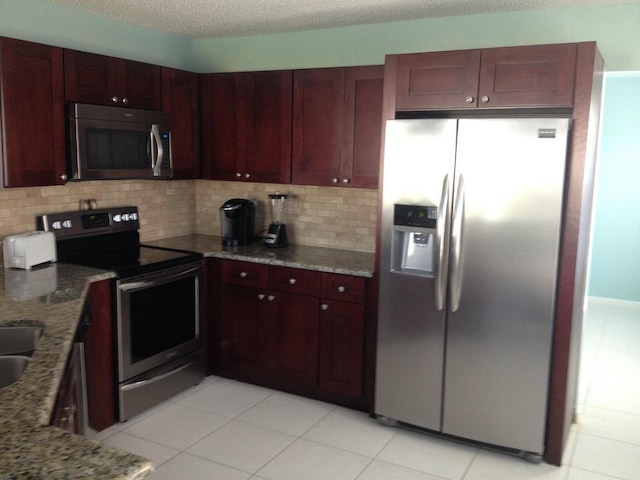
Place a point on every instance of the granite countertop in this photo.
(51, 296)
(322, 259)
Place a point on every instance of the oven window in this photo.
(165, 317)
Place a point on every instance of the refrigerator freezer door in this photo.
(510, 173)
(419, 156)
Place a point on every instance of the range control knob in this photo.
(57, 225)
(66, 224)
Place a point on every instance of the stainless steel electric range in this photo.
(157, 301)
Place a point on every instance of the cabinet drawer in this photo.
(343, 287)
(245, 273)
(294, 280)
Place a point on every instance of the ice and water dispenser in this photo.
(413, 244)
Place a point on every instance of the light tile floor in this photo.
(228, 430)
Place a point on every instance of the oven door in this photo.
(159, 318)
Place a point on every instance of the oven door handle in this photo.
(158, 280)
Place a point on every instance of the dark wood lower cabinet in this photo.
(279, 327)
(69, 409)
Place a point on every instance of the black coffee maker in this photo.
(237, 220)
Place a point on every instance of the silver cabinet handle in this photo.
(63, 177)
(243, 274)
(114, 99)
(484, 99)
(292, 281)
(441, 245)
(271, 298)
(335, 180)
(341, 289)
(324, 306)
(469, 99)
(456, 250)
(346, 180)
(247, 175)
(238, 175)
(125, 100)
(261, 296)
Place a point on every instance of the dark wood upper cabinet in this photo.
(511, 77)
(181, 98)
(32, 114)
(246, 126)
(103, 80)
(337, 126)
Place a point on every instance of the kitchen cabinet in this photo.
(103, 80)
(68, 408)
(246, 126)
(337, 115)
(181, 98)
(511, 77)
(297, 330)
(32, 130)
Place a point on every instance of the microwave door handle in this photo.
(157, 154)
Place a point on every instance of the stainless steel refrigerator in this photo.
(471, 218)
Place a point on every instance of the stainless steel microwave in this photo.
(118, 143)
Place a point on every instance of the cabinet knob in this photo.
(292, 281)
(346, 180)
(125, 100)
(271, 298)
(335, 180)
(247, 175)
(63, 177)
(484, 99)
(243, 274)
(114, 99)
(469, 99)
(261, 296)
(324, 306)
(238, 175)
(341, 289)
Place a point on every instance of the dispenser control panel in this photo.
(415, 216)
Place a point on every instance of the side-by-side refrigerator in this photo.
(471, 218)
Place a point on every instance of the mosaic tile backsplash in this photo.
(331, 217)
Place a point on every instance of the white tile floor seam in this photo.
(224, 429)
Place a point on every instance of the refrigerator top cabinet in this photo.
(469, 251)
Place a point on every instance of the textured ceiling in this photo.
(227, 18)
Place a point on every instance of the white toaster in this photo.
(24, 250)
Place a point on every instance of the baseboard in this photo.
(612, 302)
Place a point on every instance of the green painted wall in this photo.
(42, 22)
(615, 261)
(615, 28)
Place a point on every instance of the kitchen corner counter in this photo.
(51, 296)
(347, 262)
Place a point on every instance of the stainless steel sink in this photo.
(19, 339)
(11, 367)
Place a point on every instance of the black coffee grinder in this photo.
(277, 234)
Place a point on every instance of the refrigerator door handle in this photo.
(441, 235)
(455, 287)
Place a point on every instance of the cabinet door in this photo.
(90, 78)
(181, 98)
(437, 80)
(33, 131)
(139, 84)
(67, 407)
(243, 318)
(293, 340)
(362, 126)
(267, 146)
(318, 116)
(222, 131)
(341, 348)
(103, 80)
(532, 76)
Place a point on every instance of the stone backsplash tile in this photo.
(322, 216)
